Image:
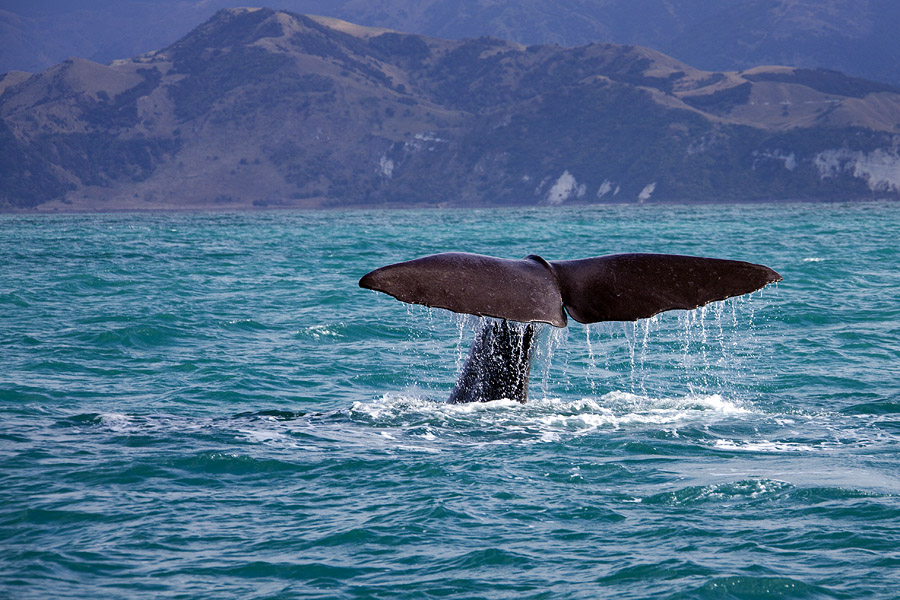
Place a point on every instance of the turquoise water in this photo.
(207, 406)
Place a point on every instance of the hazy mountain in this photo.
(265, 108)
(854, 36)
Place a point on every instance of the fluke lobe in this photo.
(618, 287)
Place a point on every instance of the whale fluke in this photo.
(618, 287)
(519, 290)
(628, 287)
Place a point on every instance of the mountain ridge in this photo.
(852, 36)
(329, 113)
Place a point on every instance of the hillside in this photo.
(264, 108)
(857, 37)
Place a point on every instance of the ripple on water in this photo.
(733, 492)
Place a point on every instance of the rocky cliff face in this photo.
(265, 108)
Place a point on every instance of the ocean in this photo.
(206, 405)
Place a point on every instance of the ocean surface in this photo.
(208, 406)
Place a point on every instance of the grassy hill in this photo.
(268, 108)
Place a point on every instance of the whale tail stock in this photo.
(619, 287)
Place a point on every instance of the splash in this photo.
(542, 419)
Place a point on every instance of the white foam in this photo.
(764, 446)
(117, 422)
(319, 331)
(540, 419)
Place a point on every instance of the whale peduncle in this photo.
(498, 364)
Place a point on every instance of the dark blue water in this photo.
(207, 406)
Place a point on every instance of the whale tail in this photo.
(618, 287)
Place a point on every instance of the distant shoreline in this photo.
(436, 206)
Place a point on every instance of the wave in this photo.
(412, 423)
(737, 491)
